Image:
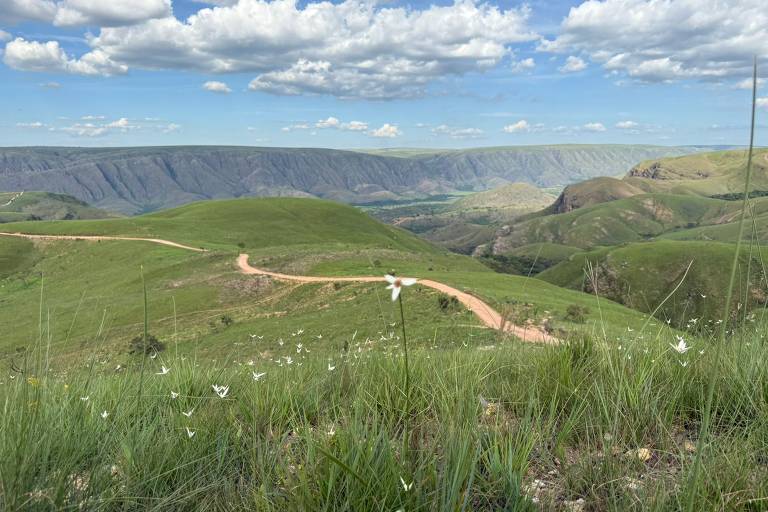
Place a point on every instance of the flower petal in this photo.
(408, 281)
(395, 292)
(390, 279)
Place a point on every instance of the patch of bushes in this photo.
(152, 345)
(447, 302)
(576, 314)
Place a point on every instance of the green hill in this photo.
(642, 275)
(202, 302)
(23, 206)
(705, 174)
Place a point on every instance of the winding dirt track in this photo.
(485, 313)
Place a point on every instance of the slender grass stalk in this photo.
(707, 415)
(405, 350)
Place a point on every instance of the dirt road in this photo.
(485, 313)
(99, 238)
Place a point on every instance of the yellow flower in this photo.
(33, 381)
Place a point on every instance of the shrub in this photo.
(447, 302)
(152, 345)
(577, 314)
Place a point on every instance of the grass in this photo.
(514, 427)
(15, 207)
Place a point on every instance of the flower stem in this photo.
(405, 350)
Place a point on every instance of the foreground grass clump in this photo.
(515, 427)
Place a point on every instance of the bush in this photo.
(447, 302)
(226, 320)
(577, 314)
(153, 345)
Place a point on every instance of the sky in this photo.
(378, 74)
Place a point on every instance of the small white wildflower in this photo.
(257, 376)
(190, 433)
(681, 347)
(174, 395)
(222, 391)
(85, 398)
(396, 284)
(331, 368)
(406, 487)
(163, 371)
(104, 415)
(683, 363)
(188, 413)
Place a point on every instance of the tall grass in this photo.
(514, 428)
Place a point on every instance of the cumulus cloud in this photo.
(667, 40)
(457, 133)
(573, 65)
(520, 126)
(387, 130)
(91, 126)
(332, 122)
(5, 36)
(626, 125)
(217, 87)
(762, 102)
(349, 49)
(50, 57)
(521, 66)
(299, 126)
(102, 13)
(594, 127)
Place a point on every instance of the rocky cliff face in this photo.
(134, 180)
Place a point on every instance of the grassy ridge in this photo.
(16, 207)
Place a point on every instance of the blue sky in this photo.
(387, 74)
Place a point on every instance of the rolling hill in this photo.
(143, 179)
(22, 206)
(200, 300)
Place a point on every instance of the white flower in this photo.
(163, 371)
(190, 433)
(104, 415)
(222, 391)
(174, 395)
(257, 376)
(683, 363)
(397, 283)
(406, 487)
(188, 413)
(331, 368)
(154, 355)
(681, 347)
(85, 398)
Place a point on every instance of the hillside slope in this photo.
(21, 206)
(142, 179)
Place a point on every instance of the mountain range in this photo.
(143, 179)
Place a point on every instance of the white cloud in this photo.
(594, 127)
(762, 102)
(353, 48)
(103, 13)
(171, 127)
(217, 87)
(524, 65)
(299, 126)
(626, 125)
(331, 122)
(355, 126)
(35, 124)
(84, 130)
(747, 83)
(457, 133)
(50, 57)
(573, 65)
(5, 36)
(51, 85)
(92, 118)
(662, 40)
(520, 126)
(386, 131)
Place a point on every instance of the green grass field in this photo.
(316, 415)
